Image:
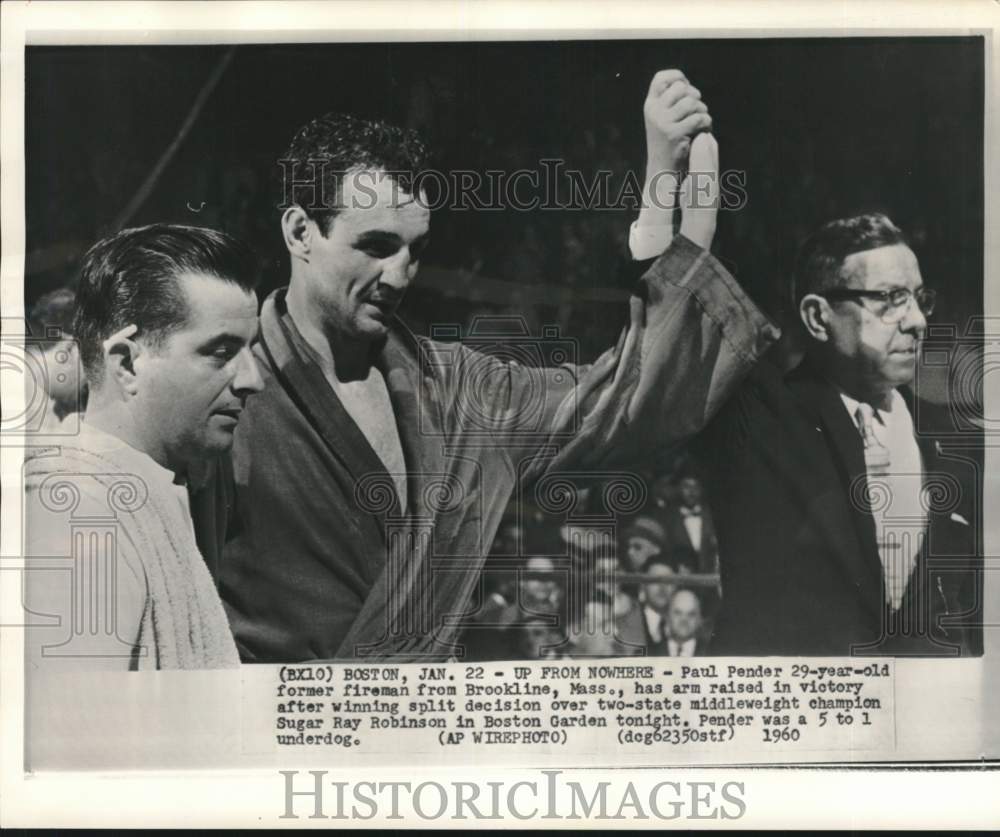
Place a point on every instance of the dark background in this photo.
(822, 128)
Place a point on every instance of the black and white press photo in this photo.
(498, 399)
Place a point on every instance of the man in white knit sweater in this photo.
(165, 319)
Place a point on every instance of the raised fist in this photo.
(674, 114)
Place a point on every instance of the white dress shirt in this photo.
(654, 623)
(692, 524)
(682, 649)
(897, 503)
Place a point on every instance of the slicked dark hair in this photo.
(339, 144)
(131, 278)
(821, 258)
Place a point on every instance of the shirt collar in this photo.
(883, 414)
(125, 456)
(654, 619)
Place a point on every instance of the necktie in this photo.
(876, 454)
(896, 551)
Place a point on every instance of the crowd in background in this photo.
(644, 583)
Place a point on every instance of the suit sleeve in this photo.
(692, 336)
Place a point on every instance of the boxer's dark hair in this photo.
(343, 144)
(131, 278)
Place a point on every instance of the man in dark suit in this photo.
(684, 628)
(689, 523)
(644, 625)
(844, 527)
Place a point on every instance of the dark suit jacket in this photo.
(677, 535)
(633, 632)
(801, 573)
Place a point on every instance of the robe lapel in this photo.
(417, 422)
(400, 619)
(300, 374)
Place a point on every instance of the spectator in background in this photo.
(685, 626)
(536, 639)
(537, 595)
(645, 624)
(594, 634)
(499, 589)
(683, 559)
(689, 523)
(50, 322)
(644, 538)
(606, 584)
(662, 494)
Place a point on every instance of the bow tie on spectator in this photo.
(694, 511)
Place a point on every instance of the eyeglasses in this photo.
(889, 306)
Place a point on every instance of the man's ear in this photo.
(297, 230)
(120, 355)
(815, 314)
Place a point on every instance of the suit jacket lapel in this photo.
(822, 401)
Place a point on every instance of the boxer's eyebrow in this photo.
(381, 241)
(378, 235)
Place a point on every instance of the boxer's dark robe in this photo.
(304, 572)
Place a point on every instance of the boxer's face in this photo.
(363, 264)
